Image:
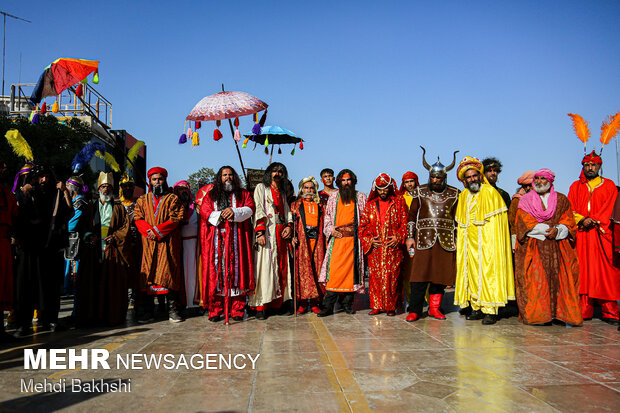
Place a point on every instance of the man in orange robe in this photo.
(343, 266)
(383, 228)
(546, 265)
(592, 198)
(157, 216)
(308, 217)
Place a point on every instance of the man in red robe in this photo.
(546, 265)
(592, 198)
(8, 214)
(383, 229)
(309, 242)
(226, 243)
(157, 216)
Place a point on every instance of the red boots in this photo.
(434, 301)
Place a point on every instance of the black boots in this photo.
(347, 303)
(328, 304)
(173, 307)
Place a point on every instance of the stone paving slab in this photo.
(339, 363)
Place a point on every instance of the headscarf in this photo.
(24, 171)
(312, 179)
(157, 170)
(532, 204)
(526, 179)
(382, 181)
(184, 183)
(407, 176)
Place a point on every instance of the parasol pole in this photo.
(271, 154)
(232, 133)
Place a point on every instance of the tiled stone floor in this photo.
(342, 363)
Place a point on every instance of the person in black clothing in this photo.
(44, 209)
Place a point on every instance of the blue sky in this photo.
(365, 83)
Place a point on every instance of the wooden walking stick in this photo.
(294, 272)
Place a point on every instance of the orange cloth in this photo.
(342, 266)
(312, 218)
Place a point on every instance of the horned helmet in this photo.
(438, 169)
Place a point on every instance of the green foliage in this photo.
(200, 178)
(52, 144)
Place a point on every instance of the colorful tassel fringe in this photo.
(55, 107)
(301, 145)
(96, 77)
(195, 139)
(197, 125)
(217, 135)
(245, 143)
(256, 130)
(183, 139)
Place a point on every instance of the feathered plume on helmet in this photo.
(609, 129)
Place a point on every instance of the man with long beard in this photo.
(343, 266)
(382, 231)
(157, 216)
(592, 198)
(308, 216)
(104, 297)
(226, 210)
(44, 209)
(430, 231)
(546, 265)
(273, 224)
(484, 277)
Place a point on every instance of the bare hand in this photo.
(551, 233)
(392, 241)
(409, 243)
(588, 222)
(26, 188)
(150, 234)
(336, 234)
(227, 214)
(294, 242)
(261, 241)
(376, 242)
(286, 233)
(108, 239)
(60, 185)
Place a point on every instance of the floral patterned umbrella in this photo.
(226, 105)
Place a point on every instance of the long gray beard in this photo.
(474, 187)
(104, 197)
(228, 186)
(542, 189)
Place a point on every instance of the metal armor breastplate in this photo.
(435, 220)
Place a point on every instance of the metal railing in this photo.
(91, 103)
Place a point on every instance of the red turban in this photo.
(592, 157)
(157, 170)
(382, 181)
(407, 176)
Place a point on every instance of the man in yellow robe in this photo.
(484, 275)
